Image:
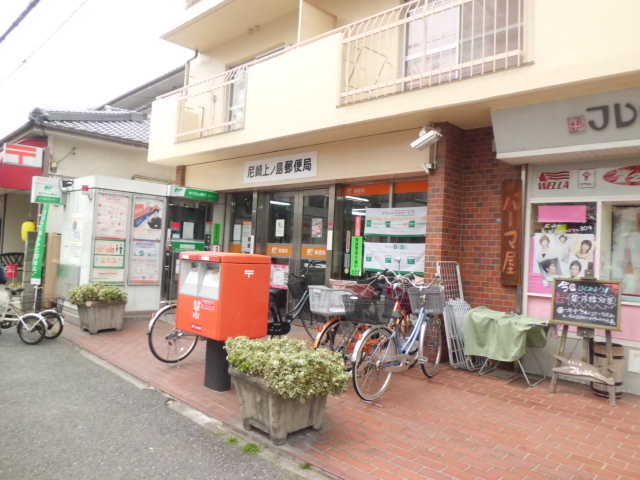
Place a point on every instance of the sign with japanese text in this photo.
(586, 303)
(279, 250)
(291, 167)
(511, 232)
(25, 155)
(188, 192)
(313, 251)
(356, 256)
(46, 190)
(396, 222)
(39, 249)
(399, 257)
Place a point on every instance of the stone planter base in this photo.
(265, 410)
(97, 316)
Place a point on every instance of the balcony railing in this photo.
(429, 42)
(213, 106)
(415, 45)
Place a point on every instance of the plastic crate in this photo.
(431, 298)
(328, 301)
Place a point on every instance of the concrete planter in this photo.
(265, 410)
(96, 316)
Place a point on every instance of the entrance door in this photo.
(296, 232)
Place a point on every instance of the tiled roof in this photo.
(117, 124)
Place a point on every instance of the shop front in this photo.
(582, 217)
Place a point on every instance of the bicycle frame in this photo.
(9, 313)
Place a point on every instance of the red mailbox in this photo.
(222, 295)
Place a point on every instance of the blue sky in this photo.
(105, 49)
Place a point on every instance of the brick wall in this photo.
(464, 212)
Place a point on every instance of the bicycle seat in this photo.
(14, 291)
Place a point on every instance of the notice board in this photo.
(587, 303)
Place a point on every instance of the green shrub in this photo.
(97, 292)
(290, 366)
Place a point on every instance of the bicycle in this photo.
(298, 288)
(384, 350)
(166, 342)
(30, 326)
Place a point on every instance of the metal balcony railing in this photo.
(429, 42)
(213, 106)
(415, 45)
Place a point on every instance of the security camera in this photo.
(425, 139)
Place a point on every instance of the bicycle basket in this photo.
(431, 298)
(297, 286)
(328, 301)
(370, 310)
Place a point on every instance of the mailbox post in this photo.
(222, 295)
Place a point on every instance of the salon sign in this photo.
(290, 167)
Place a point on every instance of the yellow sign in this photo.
(313, 251)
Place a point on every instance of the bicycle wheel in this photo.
(30, 329)
(167, 343)
(370, 378)
(310, 321)
(431, 345)
(54, 325)
(341, 336)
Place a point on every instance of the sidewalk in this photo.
(457, 425)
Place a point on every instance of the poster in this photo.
(112, 212)
(144, 266)
(280, 227)
(109, 247)
(396, 222)
(399, 257)
(147, 219)
(316, 228)
(108, 275)
(279, 276)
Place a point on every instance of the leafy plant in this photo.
(289, 366)
(251, 449)
(97, 292)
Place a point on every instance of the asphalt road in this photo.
(64, 416)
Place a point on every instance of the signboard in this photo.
(291, 167)
(511, 237)
(112, 216)
(356, 256)
(46, 190)
(39, 249)
(25, 155)
(396, 222)
(586, 303)
(188, 192)
(148, 219)
(399, 257)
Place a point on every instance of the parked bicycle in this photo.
(298, 288)
(385, 349)
(166, 342)
(32, 327)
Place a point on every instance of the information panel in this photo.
(587, 303)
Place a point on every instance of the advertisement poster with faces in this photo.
(559, 255)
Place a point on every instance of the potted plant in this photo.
(282, 383)
(100, 306)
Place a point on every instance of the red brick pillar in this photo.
(181, 173)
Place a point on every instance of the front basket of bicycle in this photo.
(369, 310)
(328, 301)
(430, 297)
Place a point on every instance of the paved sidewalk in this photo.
(457, 425)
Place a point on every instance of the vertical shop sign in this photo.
(356, 255)
(38, 251)
(511, 232)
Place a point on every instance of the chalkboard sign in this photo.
(586, 303)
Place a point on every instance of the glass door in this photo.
(296, 233)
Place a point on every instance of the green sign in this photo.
(39, 249)
(186, 245)
(46, 190)
(356, 255)
(217, 231)
(187, 192)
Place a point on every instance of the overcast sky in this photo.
(105, 49)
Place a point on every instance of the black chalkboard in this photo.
(586, 303)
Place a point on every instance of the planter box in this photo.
(265, 410)
(96, 316)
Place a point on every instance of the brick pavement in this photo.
(457, 425)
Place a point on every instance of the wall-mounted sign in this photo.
(511, 232)
(396, 222)
(399, 257)
(188, 192)
(279, 250)
(25, 155)
(46, 190)
(291, 167)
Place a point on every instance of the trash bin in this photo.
(12, 271)
(222, 295)
(599, 354)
